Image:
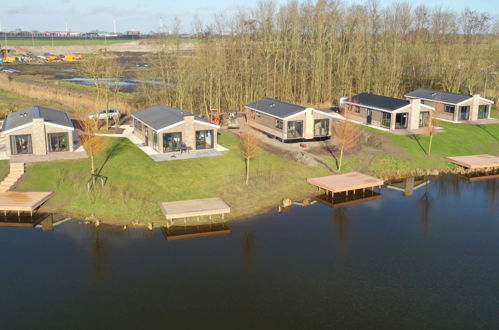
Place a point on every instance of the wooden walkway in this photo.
(23, 201)
(345, 182)
(16, 172)
(475, 161)
(194, 208)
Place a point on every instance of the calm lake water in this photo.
(425, 261)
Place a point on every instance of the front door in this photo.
(369, 116)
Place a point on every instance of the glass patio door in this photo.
(21, 144)
(204, 139)
(465, 113)
(483, 112)
(295, 129)
(321, 127)
(58, 142)
(172, 142)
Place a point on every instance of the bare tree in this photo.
(92, 143)
(249, 146)
(346, 136)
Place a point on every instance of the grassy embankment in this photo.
(136, 184)
(456, 140)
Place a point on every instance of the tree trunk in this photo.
(429, 145)
(341, 158)
(247, 170)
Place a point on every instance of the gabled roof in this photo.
(438, 96)
(160, 117)
(276, 108)
(26, 116)
(377, 101)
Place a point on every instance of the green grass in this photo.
(61, 42)
(136, 184)
(456, 140)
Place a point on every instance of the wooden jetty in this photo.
(348, 182)
(194, 208)
(23, 201)
(475, 161)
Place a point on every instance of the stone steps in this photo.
(16, 172)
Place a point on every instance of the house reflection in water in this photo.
(45, 221)
(346, 198)
(407, 185)
(183, 232)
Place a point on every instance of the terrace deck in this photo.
(345, 182)
(194, 208)
(475, 161)
(23, 201)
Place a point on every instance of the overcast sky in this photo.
(145, 15)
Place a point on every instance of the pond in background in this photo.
(427, 260)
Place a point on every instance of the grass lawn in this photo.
(456, 140)
(136, 184)
(62, 42)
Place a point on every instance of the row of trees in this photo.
(315, 52)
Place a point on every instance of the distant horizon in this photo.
(154, 15)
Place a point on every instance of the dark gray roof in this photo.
(160, 116)
(439, 96)
(25, 116)
(378, 101)
(276, 107)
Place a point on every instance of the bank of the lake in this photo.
(136, 184)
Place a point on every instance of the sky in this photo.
(145, 15)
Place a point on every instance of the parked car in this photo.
(111, 114)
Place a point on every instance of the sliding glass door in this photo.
(464, 113)
(21, 144)
(295, 129)
(204, 139)
(483, 111)
(58, 142)
(172, 142)
(401, 120)
(321, 127)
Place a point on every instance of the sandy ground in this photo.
(141, 46)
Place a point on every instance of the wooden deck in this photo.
(194, 208)
(345, 182)
(475, 161)
(23, 201)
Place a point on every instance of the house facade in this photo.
(386, 112)
(38, 131)
(167, 129)
(290, 122)
(452, 106)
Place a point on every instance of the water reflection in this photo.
(45, 221)
(342, 199)
(407, 185)
(183, 232)
(425, 204)
(341, 221)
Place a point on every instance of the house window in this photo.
(401, 120)
(295, 129)
(321, 127)
(465, 112)
(449, 108)
(204, 139)
(386, 119)
(278, 123)
(424, 117)
(357, 109)
(422, 101)
(21, 144)
(483, 111)
(155, 140)
(172, 142)
(58, 142)
(137, 125)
